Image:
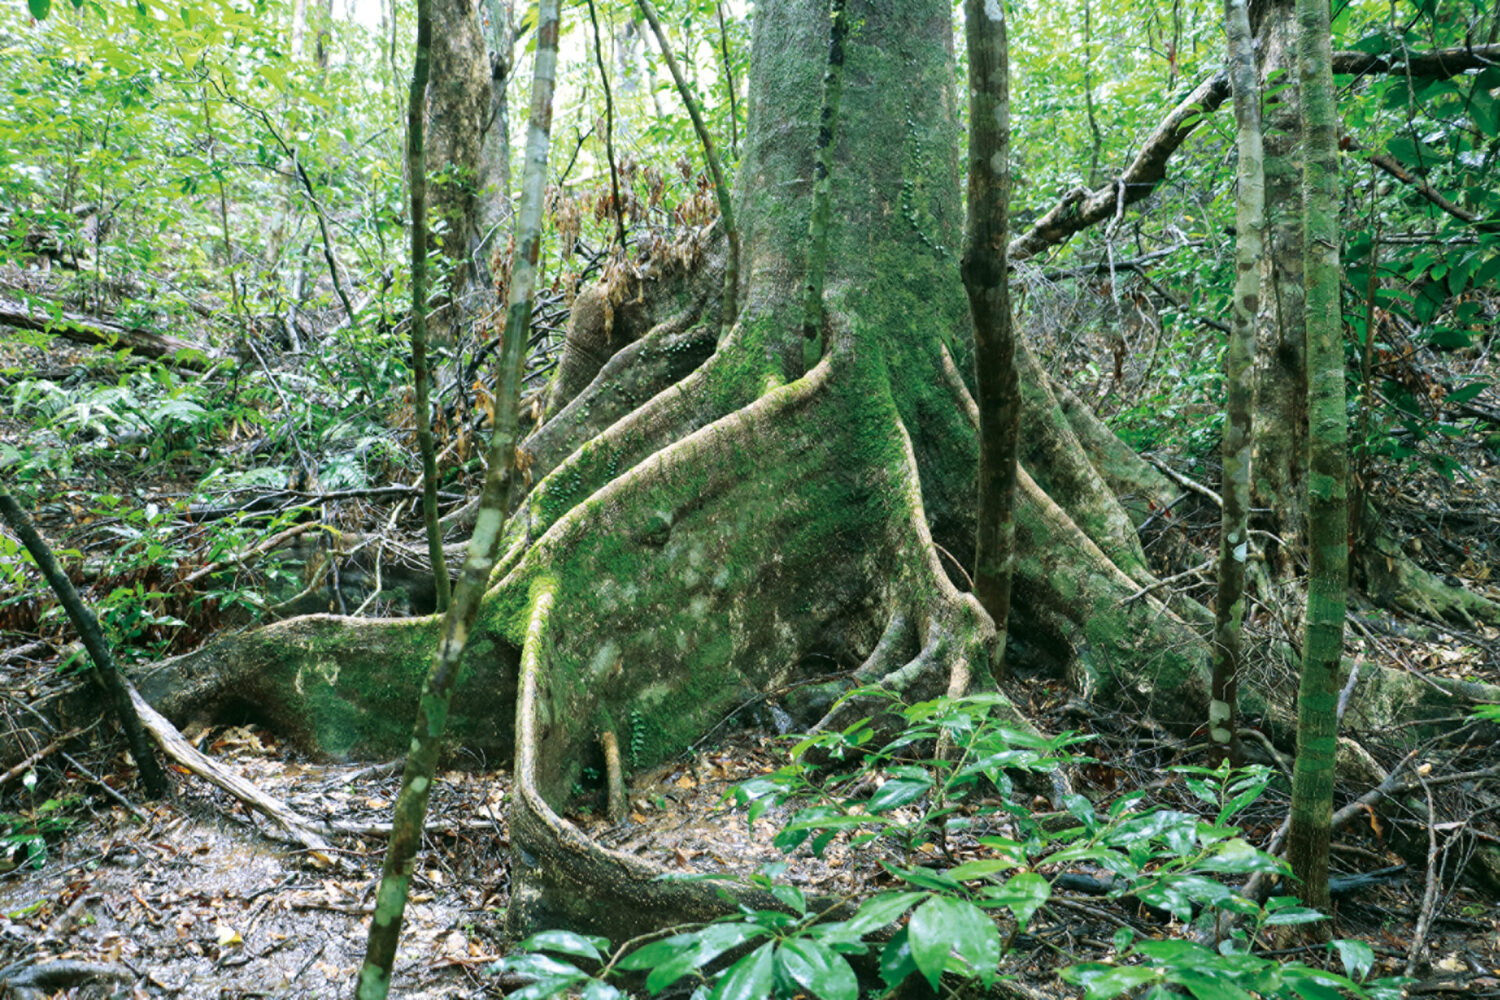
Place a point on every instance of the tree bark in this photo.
(729, 309)
(458, 110)
(416, 168)
(1234, 531)
(1328, 463)
(986, 281)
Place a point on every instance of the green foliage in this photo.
(24, 835)
(948, 925)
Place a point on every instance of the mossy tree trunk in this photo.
(416, 168)
(1234, 534)
(1279, 462)
(707, 522)
(1328, 463)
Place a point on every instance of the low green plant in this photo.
(24, 835)
(938, 776)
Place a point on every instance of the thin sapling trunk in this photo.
(985, 277)
(500, 482)
(1234, 532)
(105, 673)
(1328, 463)
(416, 168)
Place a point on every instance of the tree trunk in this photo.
(987, 283)
(1328, 463)
(733, 522)
(1234, 533)
(1279, 460)
(458, 109)
(493, 181)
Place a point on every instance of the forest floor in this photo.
(195, 898)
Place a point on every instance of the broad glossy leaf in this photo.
(1357, 957)
(818, 970)
(898, 792)
(751, 978)
(944, 927)
(878, 911)
(1102, 982)
(566, 943)
(1208, 987)
(39, 8)
(1023, 895)
(895, 959)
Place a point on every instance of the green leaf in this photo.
(878, 911)
(971, 870)
(751, 978)
(1465, 393)
(1102, 982)
(944, 927)
(1357, 957)
(1237, 857)
(566, 943)
(1022, 895)
(595, 990)
(1207, 987)
(791, 896)
(40, 8)
(898, 792)
(818, 970)
(1293, 915)
(895, 959)
(675, 957)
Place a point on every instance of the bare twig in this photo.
(1429, 894)
(299, 829)
(40, 754)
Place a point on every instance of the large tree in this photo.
(709, 517)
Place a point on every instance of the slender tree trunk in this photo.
(729, 85)
(494, 155)
(500, 481)
(1279, 473)
(416, 168)
(985, 274)
(710, 153)
(105, 673)
(1234, 532)
(1088, 93)
(1328, 463)
(458, 108)
(617, 208)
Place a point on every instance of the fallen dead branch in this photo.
(298, 828)
(99, 332)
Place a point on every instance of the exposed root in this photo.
(956, 631)
(671, 415)
(560, 876)
(341, 687)
(1049, 445)
(634, 374)
(1141, 489)
(1392, 579)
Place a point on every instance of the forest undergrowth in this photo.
(181, 894)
